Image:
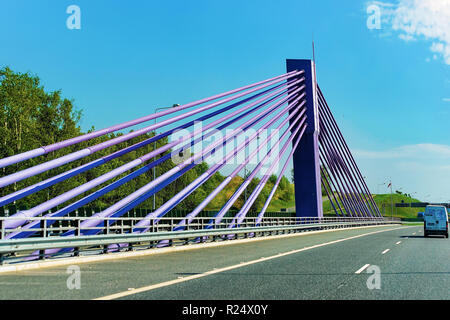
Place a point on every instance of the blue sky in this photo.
(389, 88)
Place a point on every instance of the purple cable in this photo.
(107, 176)
(18, 176)
(123, 202)
(363, 186)
(335, 157)
(238, 130)
(100, 161)
(227, 180)
(56, 146)
(240, 216)
(336, 176)
(342, 195)
(247, 181)
(329, 190)
(275, 186)
(333, 186)
(196, 183)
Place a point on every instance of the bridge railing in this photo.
(121, 225)
(116, 234)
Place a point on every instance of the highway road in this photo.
(326, 265)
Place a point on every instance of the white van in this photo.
(435, 220)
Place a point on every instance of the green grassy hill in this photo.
(385, 205)
(383, 202)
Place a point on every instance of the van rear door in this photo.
(430, 221)
(436, 218)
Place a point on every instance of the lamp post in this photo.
(154, 148)
(392, 201)
(245, 175)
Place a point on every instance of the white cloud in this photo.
(420, 19)
(406, 37)
(446, 99)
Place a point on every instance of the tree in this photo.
(27, 111)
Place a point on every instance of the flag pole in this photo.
(392, 203)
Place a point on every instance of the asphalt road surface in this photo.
(328, 265)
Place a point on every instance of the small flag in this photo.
(390, 184)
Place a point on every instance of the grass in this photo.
(408, 223)
(384, 203)
(278, 204)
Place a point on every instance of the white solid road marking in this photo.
(398, 242)
(214, 271)
(385, 251)
(364, 267)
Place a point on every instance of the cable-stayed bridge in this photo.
(262, 127)
(269, 124)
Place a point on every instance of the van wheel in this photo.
(425, 234)
(446, 235)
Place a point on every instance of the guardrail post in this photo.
(76, 250)
(2, 230)
(43, 227)
(2, 236)
(43, 231)
(130, 245)
(105, 231)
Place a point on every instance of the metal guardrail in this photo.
(120, 231)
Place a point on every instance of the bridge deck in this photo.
(415, 268)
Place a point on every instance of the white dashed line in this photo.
(364, 267)
(242, 264)
(386, 251)
(398, 242)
